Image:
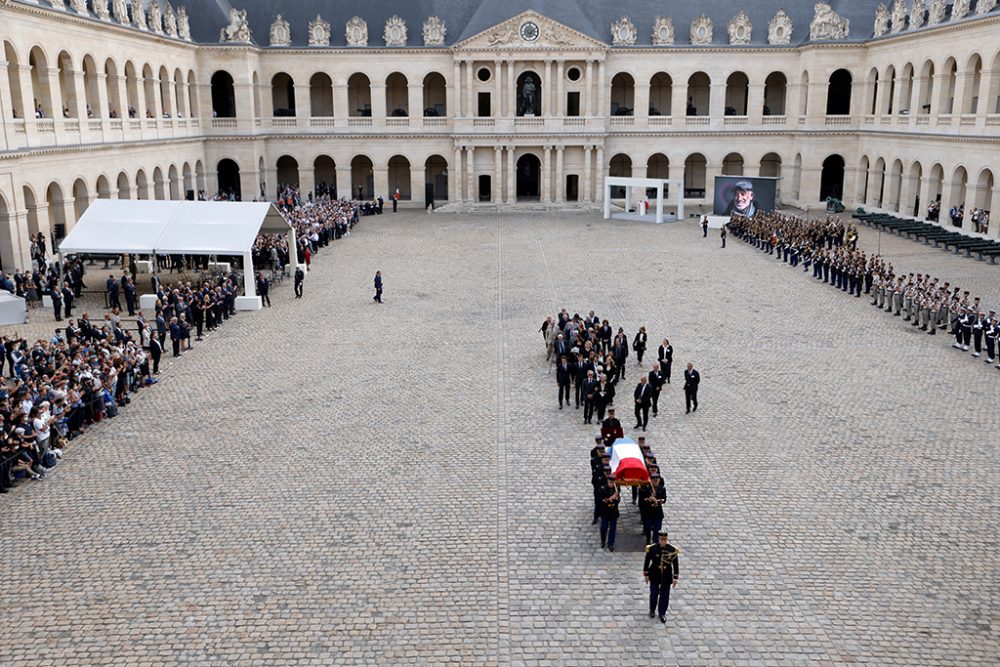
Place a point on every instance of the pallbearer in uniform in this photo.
(661, 571)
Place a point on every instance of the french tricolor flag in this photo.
(627, 461)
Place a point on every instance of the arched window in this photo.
(838, 94)
(325, 176)
(397, 103)
(288, 171)
(698, 94)
(737, 93)
(435, 95)
(622, 95)
(732, 165)
(775, 91)
(974, 79)
(223, 95)
(228, 173)
(359, 95)
(661, 88)
(14, 79)
(321, 95)
(282, 95)
(41, 93)
(529, 94)
(831, 182)
(67, 86)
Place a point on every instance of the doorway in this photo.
(572, 187)
(485, 189)
(529, 171)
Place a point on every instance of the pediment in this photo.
(513, 34)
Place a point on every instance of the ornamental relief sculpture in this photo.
(80, 6)
(959, 9)
(101, 9)
(356, 32)
(623, 32)
(281, 32)
(740, 29)
(169, 21)
(138, 15)
(701, 30)
(120, 11)
(827, 24)
(917, 14)
(434, 31)
(985, 6)
(395, 32)
(154, 18)
(937, 12)
(319, 32)
(663, 31)
(898, 16)
(238, 30)
(183, 27)
(881, 20)
(779, 30)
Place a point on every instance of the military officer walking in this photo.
(661, 571)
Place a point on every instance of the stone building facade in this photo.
(110, 99)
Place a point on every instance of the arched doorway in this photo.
(399, 177)
(435, 95)
(732, 165)
(529, 96)
(436, 178)
(288, 171)
(622, 94)
(831, 181)
(362, 178)
(397, 102)
(838, 94)
(321, 95)
(695, 171)
(282, 95)
(620, 166)
(229, 178)
(529, 177)
(325, 176)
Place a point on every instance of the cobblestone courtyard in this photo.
(334, 482)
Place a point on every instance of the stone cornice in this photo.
(80, 149)
(110, 26)
(939, 28)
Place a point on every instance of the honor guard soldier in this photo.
(661, 571)
(611, 429)
(991, 333)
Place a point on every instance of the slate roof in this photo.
(467, 18)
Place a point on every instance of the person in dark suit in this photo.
(130, 294)
(378, 287)
(112, 293)
(661, 570)
(263, 289)
(589, 396)
(665, 355)
(56, 295)
(656, 380)
(68, 296)
(691, 380)
(604, 394)
(175, 336)
(155, 351)
(611, 429)
(580, 368)
(161, 328)
(639, 344)
(643, 398)
(564, 377)
(300, 277)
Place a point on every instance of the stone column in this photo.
(873, 180)
(415, 100)
(717, 103)
(379, 111)
(906, 194)
(946, 203)
(545, 90)
(341, 102)
(497, 190)
(14, 241)
(497, 89)
(470, 174)
(586, 193)
(79, 110)
(588, 91)
(6, 107)
(303, 103)
(817, 103)
(547, 175)
(511, 177)
(55, 93)
(418, 177)
(602, 104)
(455, 176)
(453, 91)
(560, 178)
(891, 198)
(925, 197)
(157, 99)
(470, 110)
(307, 181)
(599, 173)
(380, 181)
(678, 104)
(343, 181)
(641, 101)
(990, 84)
(559, 106)
(994, 229)
(809, 186)
(123, 97)
(964, 91)
(102, 111)
(511, 90)
(250, 184)
(755, 105)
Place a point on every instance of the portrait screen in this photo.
(743, 194)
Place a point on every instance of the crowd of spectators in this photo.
(53, 389)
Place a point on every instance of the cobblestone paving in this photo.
(335, 482)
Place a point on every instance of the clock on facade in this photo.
(529, 31)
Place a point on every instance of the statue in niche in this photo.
(529, 97)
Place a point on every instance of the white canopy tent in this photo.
(644, 183)
(114, 226)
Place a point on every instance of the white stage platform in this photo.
(717, 221)
(12, 309)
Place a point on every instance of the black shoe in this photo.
(560, 407)
(602, 545)
(652, 614)
(687, 412)
(696, 408)
(611, 549)
(663, 619)
(594, 522)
